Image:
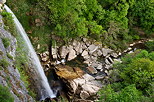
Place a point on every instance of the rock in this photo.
(77, 47)
(99, 77)
(54, 52)
(107, 61)
(84, 40)
(115, 55)
(45, 56)
(91, 89)
(2, 1)
(117, 60)
(38, 46)
(107, 67)
(84, 95)
(68, 72)
(92, 70)
(92, 48)
(84, 46)
(84, 53)
(106, 72)
(106, 51)
(71, 55)
(29, 32)
(63, 51)
(99, 67)
(99, 53)
(110, 59)
(94, 58)
(88, 77)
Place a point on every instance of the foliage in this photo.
(4, 63)
(9, 56)
(131, 80)
(6, 42)
(5, 95)
(110, 21)
(21, 63)
(150, 45)
(9, 23)
(128, 94)
(142, 14)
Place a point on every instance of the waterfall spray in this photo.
(46, 91)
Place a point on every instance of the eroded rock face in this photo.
(9, 75)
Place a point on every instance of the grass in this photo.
(5, 95)
(6, 42)
(9, 23)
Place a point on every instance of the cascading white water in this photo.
(46, 90)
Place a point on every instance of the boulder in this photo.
(106, 51)
(99, 53)
(92, 70)
(84, 94)
(72, 54)
(92, 48)
(115, 55)
(77, 47)
(99, 67)
(84, 53)
(54, 52)
(63, 51)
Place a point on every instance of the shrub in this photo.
(9, 56)
(5, 95)
(4, 63)
(9, 23)
(6, 42)
(150, 45)
(127, 94)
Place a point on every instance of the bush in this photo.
(137, 69)
(5, 95)
(6, 42)
(127, 94)
(150, 45)
(9, 56)
(4, 63)
(9, 23)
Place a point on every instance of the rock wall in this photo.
(9, 75)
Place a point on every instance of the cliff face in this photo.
(9, 75)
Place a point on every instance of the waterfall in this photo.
(45, 88)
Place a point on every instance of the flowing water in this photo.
(46, 91)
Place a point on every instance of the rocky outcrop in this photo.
(9, 75)
(79, 84)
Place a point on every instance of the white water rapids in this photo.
(46, 91)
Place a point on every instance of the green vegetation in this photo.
(1, 53)
(4, 63)
(6, 42)
(21, 63)
(150, 45)
(5, 95)
(112, 22)
(9, 23)
(9, 56)
(132, 80)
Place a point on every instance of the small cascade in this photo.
(46, 91)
